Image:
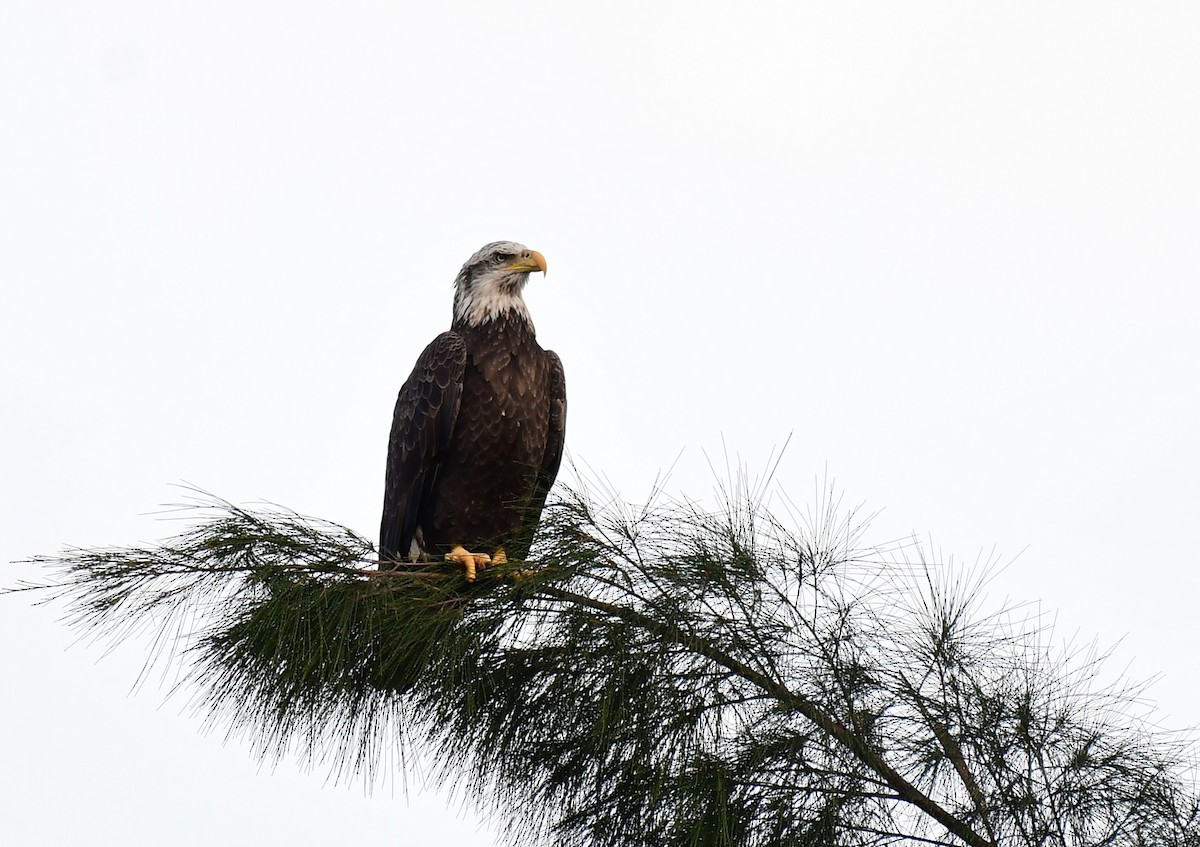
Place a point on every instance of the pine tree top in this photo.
(661, 675)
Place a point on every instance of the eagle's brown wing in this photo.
(426, 409)
(552, 457)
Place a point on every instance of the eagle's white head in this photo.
(490, 283)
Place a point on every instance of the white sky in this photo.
(953, 248)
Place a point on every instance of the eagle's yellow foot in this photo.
(501, 559)
(469, 560)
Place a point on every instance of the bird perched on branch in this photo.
(478, 431)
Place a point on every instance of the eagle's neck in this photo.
(479, 306)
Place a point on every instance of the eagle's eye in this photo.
(501, 258)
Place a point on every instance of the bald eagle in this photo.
(478, 431)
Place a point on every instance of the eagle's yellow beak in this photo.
(530, 262)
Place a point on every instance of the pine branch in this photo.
(655, 676)
(844, 735)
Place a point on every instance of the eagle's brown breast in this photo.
(487, 483)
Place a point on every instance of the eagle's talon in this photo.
(470, 561)
(515, 575)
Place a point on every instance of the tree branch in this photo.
(905, 789)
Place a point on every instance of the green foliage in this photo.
(660, 677)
